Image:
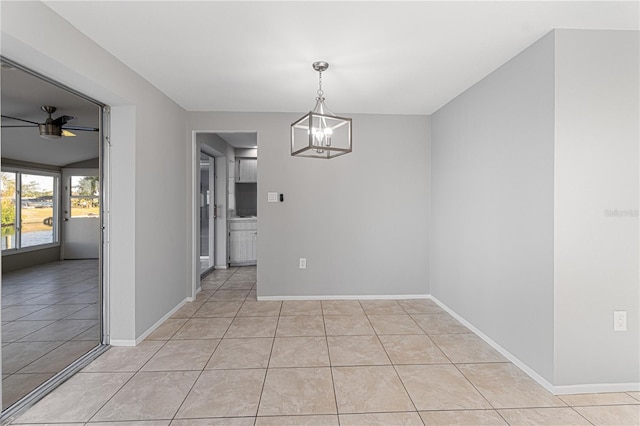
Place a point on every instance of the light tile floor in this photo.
(226, 359)
(50, 317)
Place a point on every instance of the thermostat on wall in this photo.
(272, 197)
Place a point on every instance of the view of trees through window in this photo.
(8, 198)
(85, 196)
(37, 222)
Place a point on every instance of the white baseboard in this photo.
(556, 390)
(348, 297)
(122, 342)
(220, 266)
(136, 342)
(535, 376)
(597, 388)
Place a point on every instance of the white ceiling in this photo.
(22, 96)
(385, 57)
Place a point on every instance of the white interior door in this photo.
(81, 214)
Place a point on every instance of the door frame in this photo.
(211, 216)
(104, 171)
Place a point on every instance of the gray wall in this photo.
(360, 220)
(92, 163)
(535, 201)
(492, 206)
(17, 261)
(596, 173)
(150, 271)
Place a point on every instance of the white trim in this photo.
(521, 365)
(220, 267)
(596, 388)
(198, 290)
(122, 342)
(31, 170)
(194, 155)
(136, 342)
(556, 390)
(348, 297)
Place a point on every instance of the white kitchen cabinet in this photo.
(246, 170)
(243, 235)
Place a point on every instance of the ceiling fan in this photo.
(52, 128)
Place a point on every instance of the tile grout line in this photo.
(392, 364)
(279, 315)
(173, 417)
(266, 370)
(333, 382)
(112, 396)
(472, 384)
(578, 412)
(52, 322)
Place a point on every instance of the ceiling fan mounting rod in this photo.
(49, 109)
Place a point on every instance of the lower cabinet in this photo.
(243, 236)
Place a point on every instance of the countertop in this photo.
(246, 218)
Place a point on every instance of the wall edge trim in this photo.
(139, 339)
(596, 388)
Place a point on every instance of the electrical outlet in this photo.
(272, 197)
(619, 320)
(303, 263)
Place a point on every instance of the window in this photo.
(85, 196)
(29, 209)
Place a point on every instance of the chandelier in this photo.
(321, 133)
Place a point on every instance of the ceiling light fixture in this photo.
(50, 129)
(321, 133)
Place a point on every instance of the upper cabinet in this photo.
(246, 170)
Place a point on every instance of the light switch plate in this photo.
(272, 197)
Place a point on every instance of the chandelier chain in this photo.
(320, 91)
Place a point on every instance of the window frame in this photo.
(19, 171)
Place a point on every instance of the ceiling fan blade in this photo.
(62, 120)
(20, 119)
(18, 125)
(67, 133)
(81, 128)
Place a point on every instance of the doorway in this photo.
(52, 225)
(224, 226)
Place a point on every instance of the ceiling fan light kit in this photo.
(321, 133)
(50, 131)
